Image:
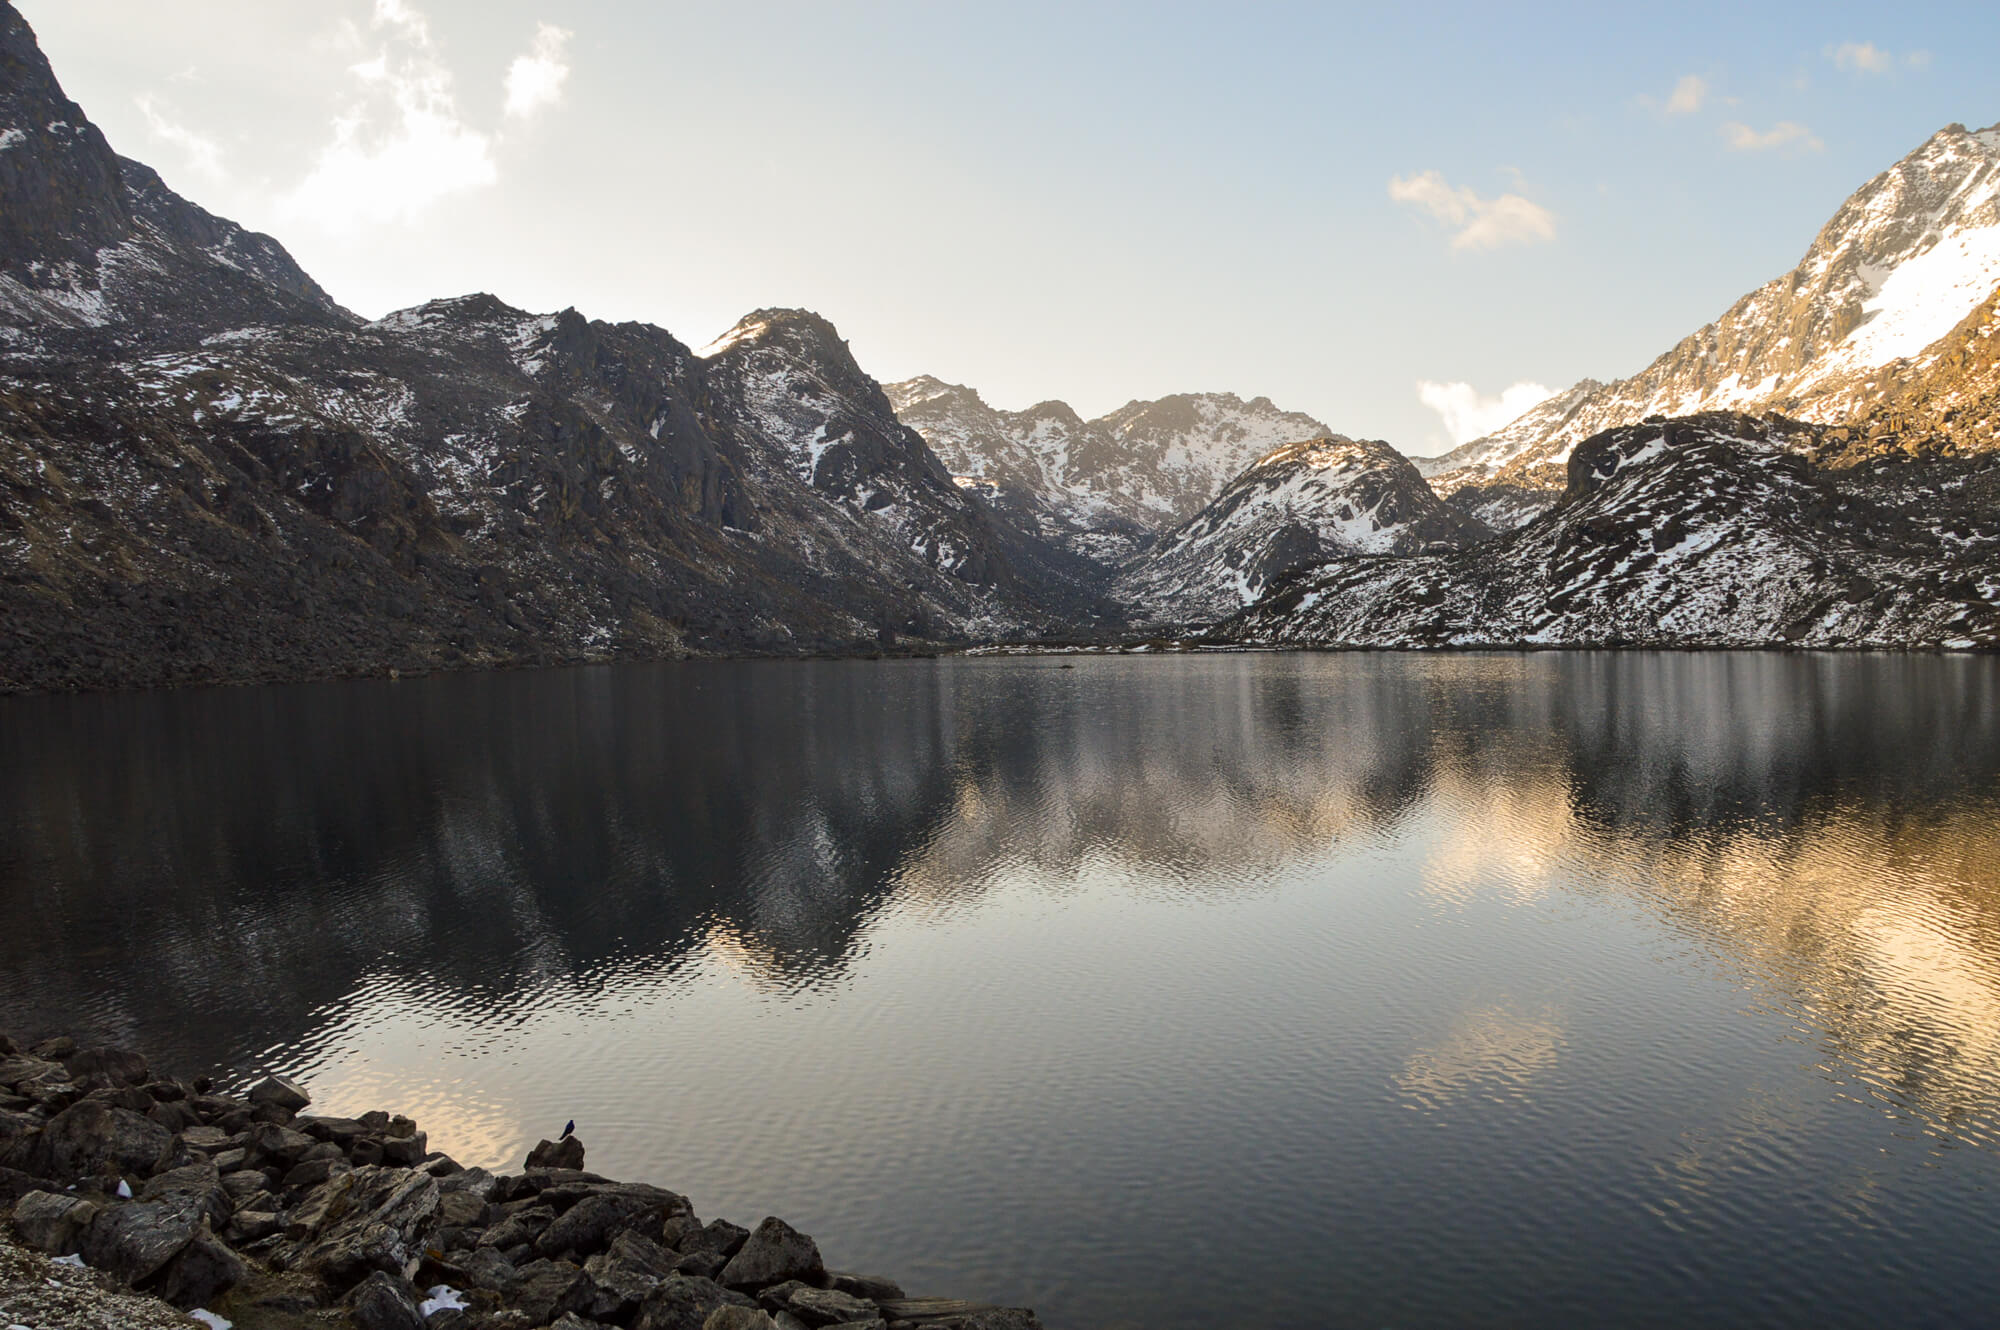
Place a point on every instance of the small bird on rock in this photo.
(569, 1130)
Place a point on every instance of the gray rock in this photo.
(738, 1318)
(522, 1226)
(279, 1092)
(53, 1222)
(199, 1184)
(313, 1172)
(704, 1264)
(460, 1209)
(571, 1321)
(385, 1302)
(472, 1181)
(55, 1049)
(106, 1068)
(206, 1138)
(341, 1131)
(779, 1296)
(405, 1151)
(485, 1267)
(589, 1225)
(616, 1282)
(134, 1242)
(200, 1272)
(252, 1225)
(272, 1144)
(826, 1306)
(85, 1138)
(684, 1303)
(873, 1287)
(958, 1314)
(543, 1289)
(719, 1235)
(18, 1073)
(367, 1220)
(787, 1321)
(774, 1253)
(566, 1153)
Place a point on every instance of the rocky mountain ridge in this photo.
(1294, 508)
(210, 471)
(1905, 259)
(1104, 487)
(1710, 531)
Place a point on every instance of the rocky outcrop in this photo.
(1715, 531)
(266, 1215)
(1295, 508)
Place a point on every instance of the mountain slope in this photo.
(1903, 261)
(209, 470)
(1102, 488)
(1706, 531)
(1297, 506)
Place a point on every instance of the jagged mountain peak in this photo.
(61, 193)
(1298, 505)
(798, 330)
(1906, 257)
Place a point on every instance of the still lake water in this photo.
(1277, 991)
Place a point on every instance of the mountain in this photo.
(1297, 506)
(1713, 530)
(1905, 259)
(209, 470)
(1104, 487)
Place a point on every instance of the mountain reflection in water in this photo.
(1491, 896)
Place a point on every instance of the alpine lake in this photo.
(1224, 990)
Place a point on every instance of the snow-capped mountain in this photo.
(1101, 487)
(1297, 506)
(1715, 530)
(1905, 259)
(209, 470)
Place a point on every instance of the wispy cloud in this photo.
(204, 154)
(1786, 133)
(1688, 95)
(1481, 223)
(1861, 58)
(403, 144)
(1469, 414)
(535, 80)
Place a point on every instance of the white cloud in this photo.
(1688, 95)
(402, 145)
(202, 152)
(1469, 415)
(1785, 133)
(1861, 58)
(1482, 223)
(535, 80)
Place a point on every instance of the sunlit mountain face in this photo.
(1668, 950)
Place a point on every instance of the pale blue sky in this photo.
(1093, 202)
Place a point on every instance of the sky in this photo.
(1410, 221)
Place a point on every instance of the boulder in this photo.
(719, 1236)
(271, 1144)
(522, 1226)
(486, 1268)
(279, 1092)
(738, 1318)
(405, 1151)
(199, 1184)
(19, 1073)
(704, 1264)
(106, 1068)
(565, 1153)
(959, 1315)
(826, 1306)
(683, 1303)
(571, 1321)
(543, 1289)
(370, 1219)
(14, 1184)
(460, 1209)
(617, 1281)
(53, 1222)
(774, 1253)
(875, 1288)
(86, 1138)
(385, 1302)
(589, 1225)
(135, 1242)
(200, 1272)
(54, 1050)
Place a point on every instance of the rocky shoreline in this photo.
(135, 1199)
